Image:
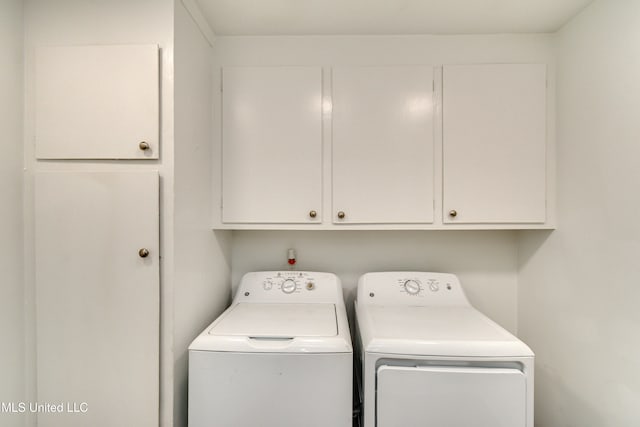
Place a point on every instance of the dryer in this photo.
(279, 356)
(428, 358)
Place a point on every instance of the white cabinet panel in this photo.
(382, 155)
(494, 147)
(450, 396)
(97, 298)
(272, 145)
(97, 102)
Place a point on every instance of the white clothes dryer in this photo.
(428, 358)
(279, 356)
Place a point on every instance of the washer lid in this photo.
(257, 320)
(436, 331)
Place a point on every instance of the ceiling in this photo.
(384, 17)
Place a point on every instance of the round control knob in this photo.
(288, 286)
(412, 287)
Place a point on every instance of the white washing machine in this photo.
(279, 356)
(428, 358)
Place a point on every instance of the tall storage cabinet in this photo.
(97, 274)
(96, 233)
(101, 79)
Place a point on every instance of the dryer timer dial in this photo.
(412, 287)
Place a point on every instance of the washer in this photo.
(428, 358)
(279, 356)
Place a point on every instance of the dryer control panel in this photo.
(289, 286)
(411, 288)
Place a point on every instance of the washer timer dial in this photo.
(412, 287)
(288, 286)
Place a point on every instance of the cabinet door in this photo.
(494, 143)
(272, 145)
(97, 298)
(382, 155)
(97, 102)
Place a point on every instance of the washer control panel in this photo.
(411, 288)
(290, 283)
(289, 286)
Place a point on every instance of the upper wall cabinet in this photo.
(382, 145)
(385, 147)
(272, 145)
(494, 143)
(97, 102)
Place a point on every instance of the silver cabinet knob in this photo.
(453, 213)
(144, 145)
(144, 252)
(313, 214)
(341, 215)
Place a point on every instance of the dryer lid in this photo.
(436, 331)
(258, 320)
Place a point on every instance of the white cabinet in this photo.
(402, 147)
(272, 145)
(382, 145)
(97, 102)
(494, 143)
(97, 303)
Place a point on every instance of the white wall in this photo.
(485, 261)
(579, 286)
(11, 226)
(202, 257)
(73, 22)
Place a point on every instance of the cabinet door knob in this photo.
(453, 213)
(313, 214)
(144, 145)
(341, 215)
(144, 252)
